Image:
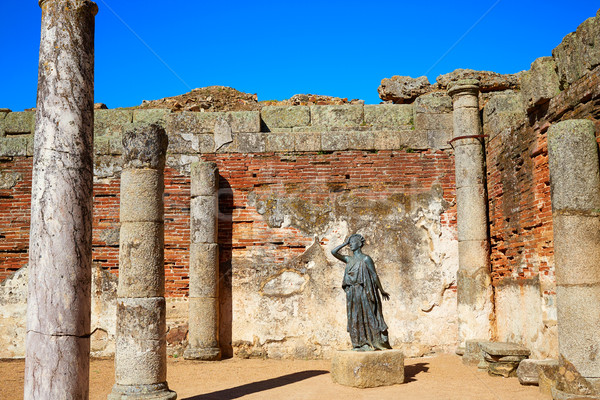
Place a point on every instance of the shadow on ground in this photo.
(249, 388)
(410, 371)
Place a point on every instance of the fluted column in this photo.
(203, 334)
(141, 348)
(475, 305)
(575, 191)
(60, 248)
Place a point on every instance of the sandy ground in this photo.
(441, 377)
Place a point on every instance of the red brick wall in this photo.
(311, 176)
(520, 210)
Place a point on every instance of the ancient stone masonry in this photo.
(575, 179)
(475, 306)
(141, 353)
(203, 335)
(58, 302)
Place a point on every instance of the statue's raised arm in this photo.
(336, 254)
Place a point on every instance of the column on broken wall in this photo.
(203, 333)
(474, 289)
(141, 352)
(575, 191)
(60, 250)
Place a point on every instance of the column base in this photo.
(207, 354)
(157, 391)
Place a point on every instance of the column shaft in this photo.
(141, 348)
(475, 305)
(575, 190)
(60, 249)
(203, 334)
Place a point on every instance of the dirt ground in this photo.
(440, 377)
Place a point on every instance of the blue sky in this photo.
(281, 48)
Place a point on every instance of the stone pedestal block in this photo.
(366, 369)
(528, 371)
(472, 354)
(503, 358)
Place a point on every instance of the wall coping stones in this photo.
(502, 349)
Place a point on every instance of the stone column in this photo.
(141, 349)
(575, 189)
(475, 305)
(60, 248)
(203, 333)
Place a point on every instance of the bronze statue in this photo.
(368, 330)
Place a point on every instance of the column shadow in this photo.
(225, 226)
(260, 386)
(410, 371)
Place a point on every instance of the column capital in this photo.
(464, 87)
(76, 3)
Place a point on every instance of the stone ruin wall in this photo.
(295, 181)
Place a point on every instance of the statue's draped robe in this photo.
(363, 306)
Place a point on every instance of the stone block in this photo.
(13, 146)
(111, 122)
(577, 249)
(469, 161)
(358, 140)
(334, 141)
(184, 143)
(203, 322)
(203, 219)
(141, 260)
(249, 142)
(276, 117)
(413, 139)
(503, 358)
(440, 139)
(206, 143)
(578, 322)
(18, 123)
(204, 270)
(386, 140)
(244, 121)
(528, 371)
(472, 214)
(497, 350)
(116, 145)
(333, 117)
(547, 376)
(279, 142)
(102, 146)
(366, 369)
(434, 122)
(436, 102)
(151, 116)
(466, 122)
(144, 146)
(388, 116)
(573, 163)
(140, 361)
(504, 110)
(473, 355)
(141, 195)
(579, 52)
(204, 179)
(307, 141)
(142, 318)
(540, 83)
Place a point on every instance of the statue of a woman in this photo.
(368, 330)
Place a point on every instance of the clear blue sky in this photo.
(281, 48)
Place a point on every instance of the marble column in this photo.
(60, 247)
(141, 348)
(475, 304)
(575, 191)
(203, 336)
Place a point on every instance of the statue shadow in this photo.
(225, 226)
(260, 386)
(410, 371)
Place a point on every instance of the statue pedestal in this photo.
(366, 369)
